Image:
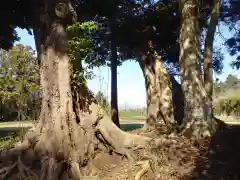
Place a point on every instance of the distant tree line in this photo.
(227, 97)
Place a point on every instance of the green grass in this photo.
(132, 115)
(10, 135)
(8, 141)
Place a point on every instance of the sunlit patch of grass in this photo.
(132, 115)
(229, 119)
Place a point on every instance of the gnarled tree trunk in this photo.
(160, 109)
(195, 123)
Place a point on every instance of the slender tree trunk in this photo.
(195, 123)
(208, 56)
(114, 84)
(160, 109)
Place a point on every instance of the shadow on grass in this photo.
(130, 127)
(11, 131)
(222, 160)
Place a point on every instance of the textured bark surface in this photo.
(55, 140)
(208, 50)
(160, 108)
(195, 122)
(208, 58)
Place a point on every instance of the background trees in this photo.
(20, 84)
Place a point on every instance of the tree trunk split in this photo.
(164, 95)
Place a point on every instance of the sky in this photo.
(131, 86)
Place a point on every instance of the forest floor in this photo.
(217, 158)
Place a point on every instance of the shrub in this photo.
(229, 105)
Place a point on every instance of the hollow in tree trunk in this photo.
(195, 123)
(178, 100)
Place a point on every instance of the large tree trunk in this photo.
(57, 137)
(208, 56)
(195, 123)
(160, 110)
(114, 89)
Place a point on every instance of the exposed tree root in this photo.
(56, 164)
(145, 167)
(23, 171)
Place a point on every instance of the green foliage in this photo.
(80, 47)
(232, 83)
(8, 142)
(80, 43)
(229, 105)
(19, 81)
(231, 16)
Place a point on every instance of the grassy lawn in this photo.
(132, 115)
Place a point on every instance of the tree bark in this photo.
(160, 110)
(208, 56)
(195, 123)
(114, 89)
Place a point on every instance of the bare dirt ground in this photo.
(216, 159)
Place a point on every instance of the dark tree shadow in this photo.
(222, 159)
(130, 127)
(178, 100)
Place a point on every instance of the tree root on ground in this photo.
(53, 167)
(23, 171)
(145, 167)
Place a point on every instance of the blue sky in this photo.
(131, 88)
